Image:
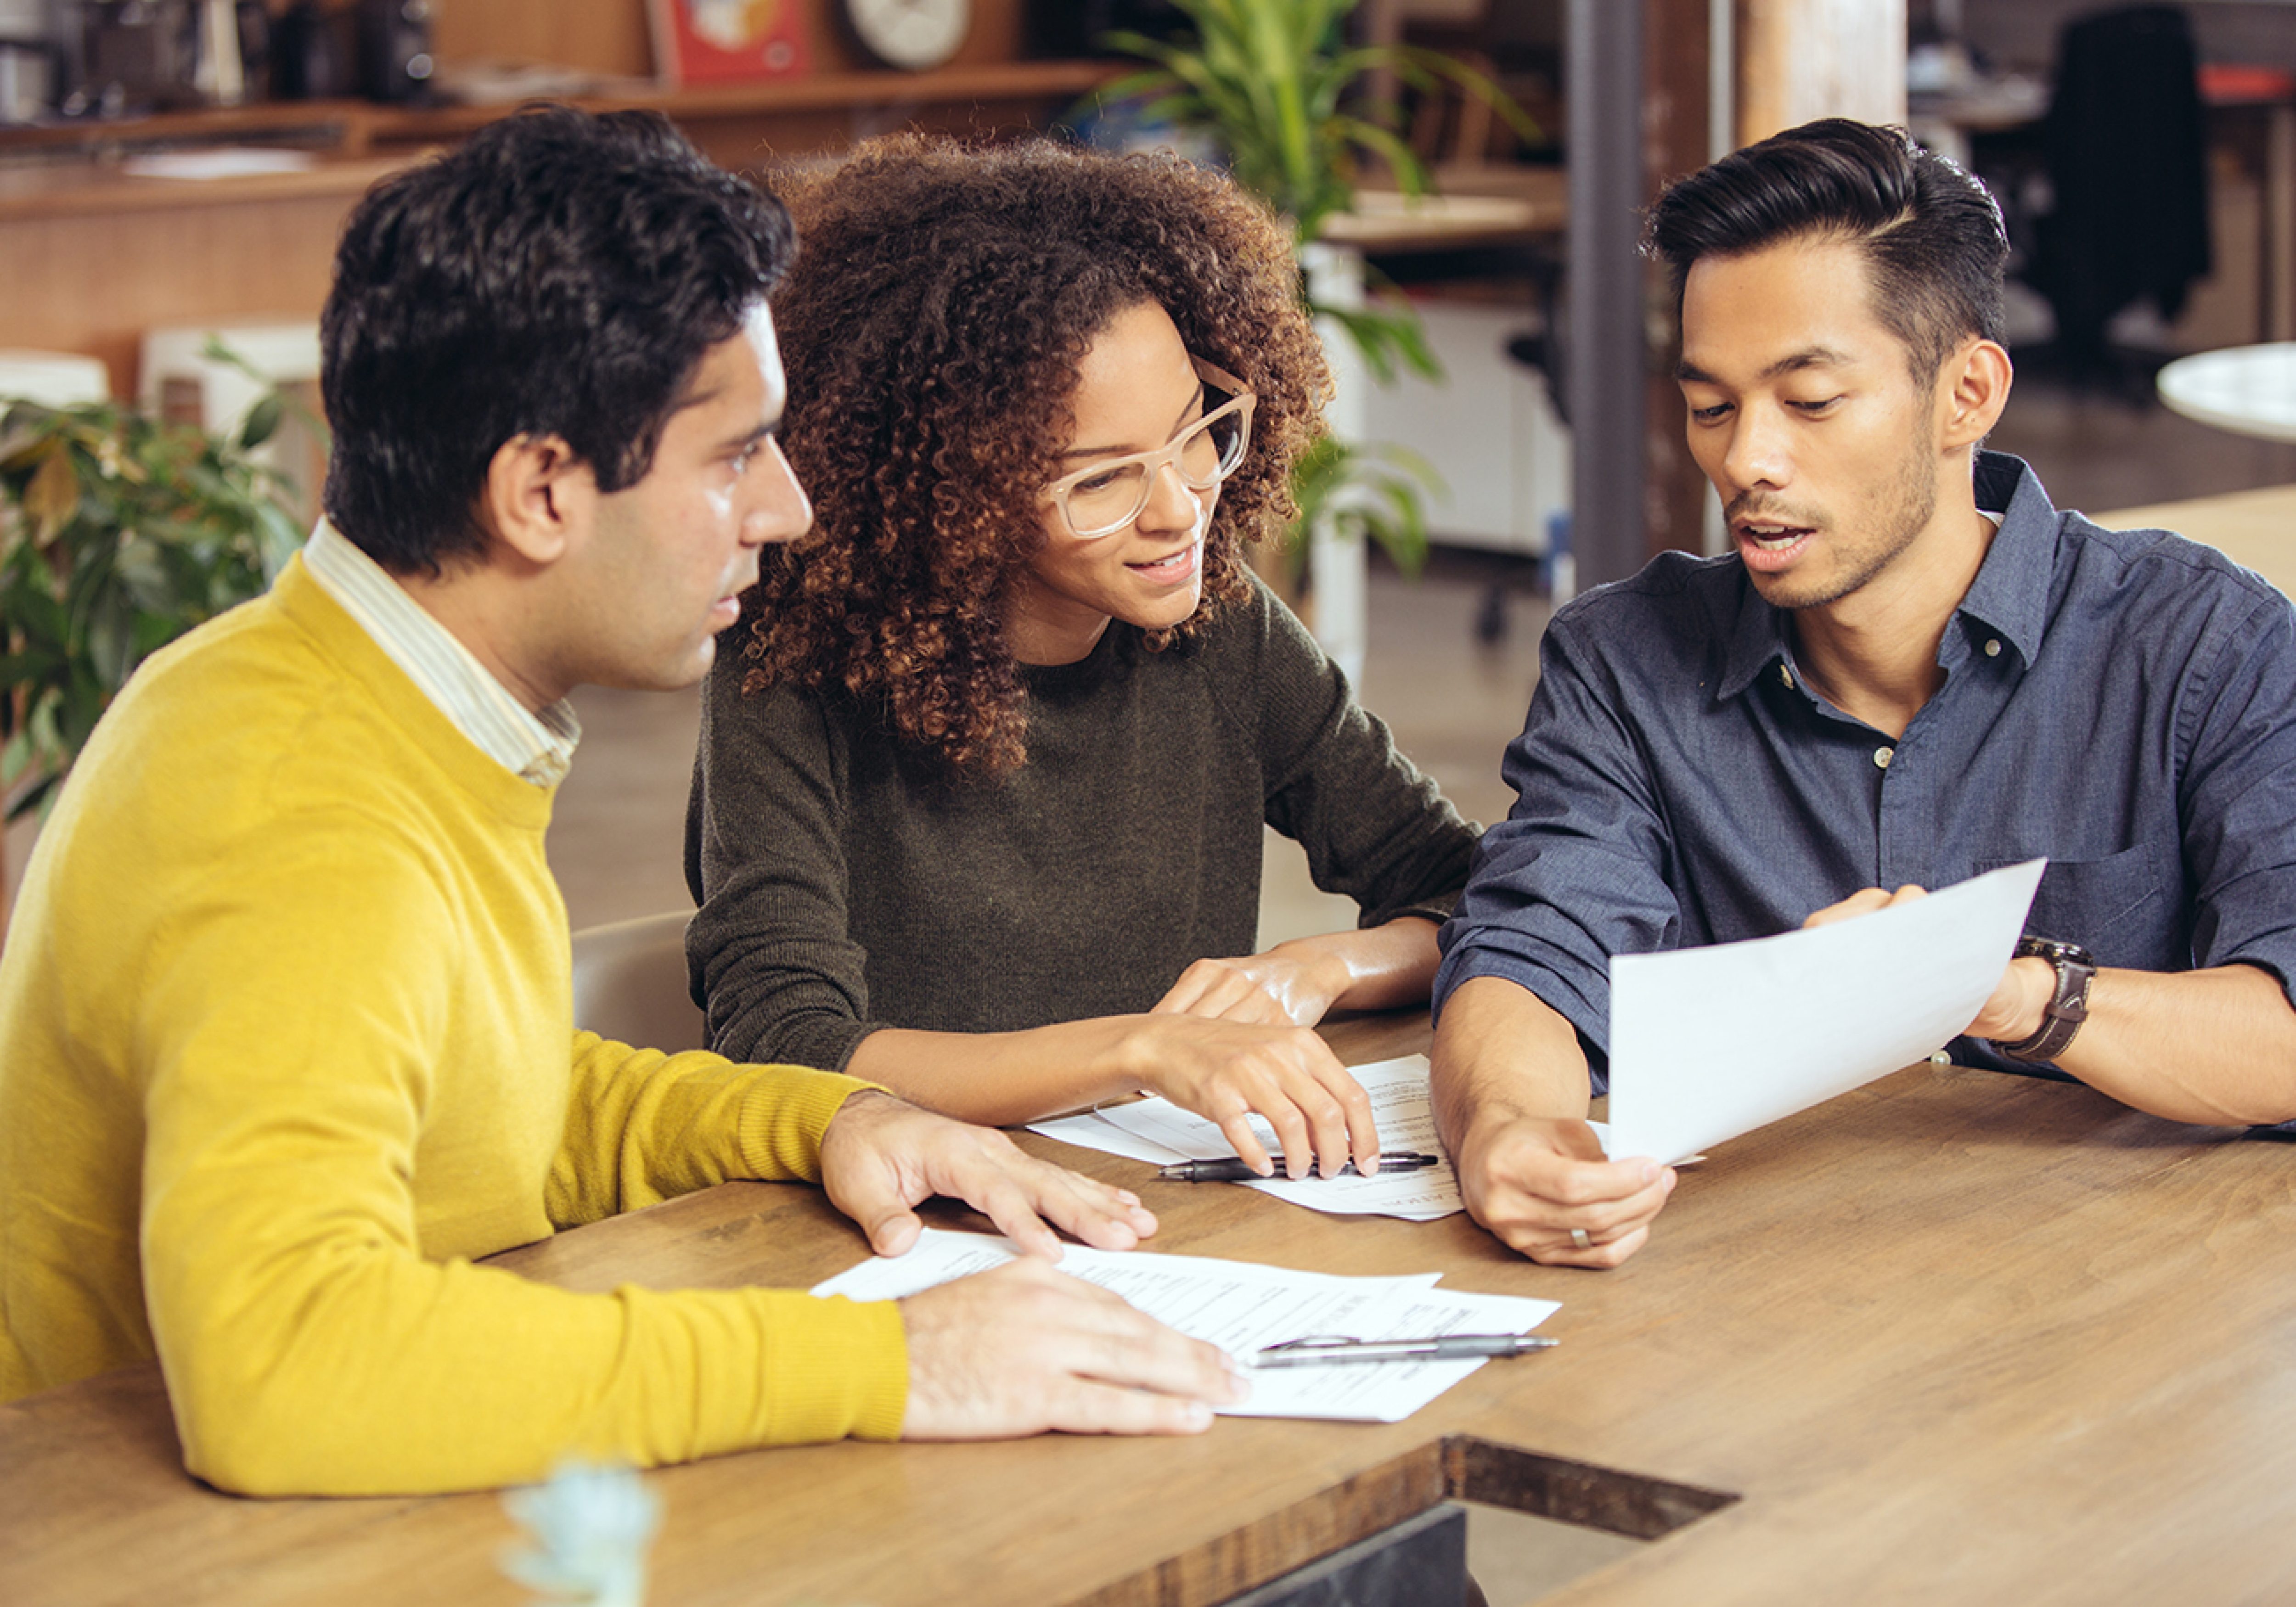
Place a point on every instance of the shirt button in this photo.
(1993, 649)
(1939, 1057)
(1882, 755)
(1786, 675)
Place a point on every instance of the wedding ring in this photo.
(1580, 1241)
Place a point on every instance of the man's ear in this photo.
(1975, 389)
(536, 497)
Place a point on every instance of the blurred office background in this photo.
(112, 249)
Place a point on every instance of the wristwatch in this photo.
(2067, 1008)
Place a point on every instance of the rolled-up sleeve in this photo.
(2238, 794)
(1577, 871)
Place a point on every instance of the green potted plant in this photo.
(118, 533)
(1275, 88)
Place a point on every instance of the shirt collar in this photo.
(537, 748)
(2011, 593)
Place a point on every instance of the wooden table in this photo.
(2257, 528)
(1954, 1337)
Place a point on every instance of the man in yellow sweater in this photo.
(285, 1021)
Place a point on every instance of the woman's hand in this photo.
(1292, 985)
(1297, 982)
(1226, 1070)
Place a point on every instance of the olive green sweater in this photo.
(843, 886)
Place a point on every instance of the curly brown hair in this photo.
(943, 297)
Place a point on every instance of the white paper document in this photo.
(219, 161)
(1158, 1131)
(1710, 1043)
(1243, 1307)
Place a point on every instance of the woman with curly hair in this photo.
(978, 809)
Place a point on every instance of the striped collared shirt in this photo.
(536, 748)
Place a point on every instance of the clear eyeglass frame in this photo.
(1238, 408)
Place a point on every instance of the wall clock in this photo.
(912, 35)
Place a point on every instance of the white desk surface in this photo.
(2251, 390)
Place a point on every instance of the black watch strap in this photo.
(2068, 1006)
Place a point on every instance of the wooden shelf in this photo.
(91, 189)
(361, 127)
(97, 255)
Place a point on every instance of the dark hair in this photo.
(1932, 235)
(933, 334)
(560, 273)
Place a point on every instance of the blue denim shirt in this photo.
(2123, 703)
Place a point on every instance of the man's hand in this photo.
(1024, 1350)
(2013, 1012)
(1531, 1180)
(1509, 1095)
(1864, 901)
(1226, 1070)
(882, 1157)
(1288, 986)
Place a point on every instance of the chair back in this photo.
(629, 983)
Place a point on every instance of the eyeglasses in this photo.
(1103, 498)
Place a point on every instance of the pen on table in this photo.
(1444, 1347)
(1235, 1170)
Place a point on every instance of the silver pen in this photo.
(1235, 1170)
(1444, 1347)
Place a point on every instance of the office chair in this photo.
(2128, 165)
(629, 983)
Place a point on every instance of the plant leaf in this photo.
(262, 422)
(53, 495)
(39, 796)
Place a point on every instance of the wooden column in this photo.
(1609, 359)
(1677, 134)
(1804, 59)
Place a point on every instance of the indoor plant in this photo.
(118, 533)
(1275, 88)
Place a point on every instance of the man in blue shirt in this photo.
(1909, 669)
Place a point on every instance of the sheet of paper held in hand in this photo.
(1157, 1130)
(1710, 1043)
(1241, 1307)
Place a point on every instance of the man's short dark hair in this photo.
(1932, 234)
(560, 273)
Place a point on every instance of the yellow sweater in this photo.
(284, 1043)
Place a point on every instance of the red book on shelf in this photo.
(728, 41)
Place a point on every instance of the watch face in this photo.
(2052, 951)
(910, 34)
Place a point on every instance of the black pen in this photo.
(1235, 1170)
(1444, 1347)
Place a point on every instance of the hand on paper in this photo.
(1530, 1180)
(1025, 1348)
(1226, 1070)
(2013, 1012)
(881, 1156)
(1864, 901)
(1288, 986)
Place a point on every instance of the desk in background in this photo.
(1956, 1336)
(2247, 389)
(2257, 528)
